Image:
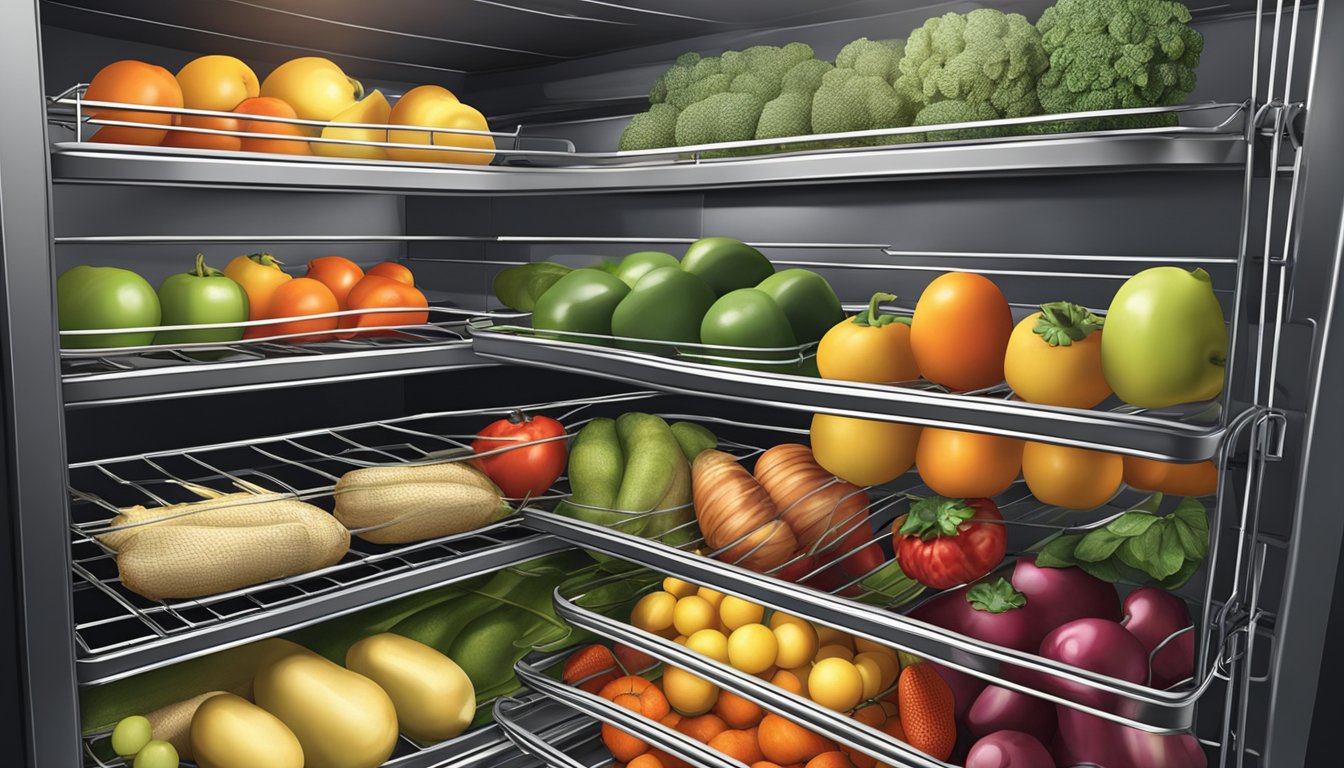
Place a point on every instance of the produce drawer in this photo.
(1221, 594)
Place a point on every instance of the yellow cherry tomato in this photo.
(693, 614)
(711, 596)
(653, 613)
(752, 648)
(870, 347)
(797, 644)
(736, 612)
(678, 588)
(709, 642)
(1054, 357)
(862, 451)
(1074, 478)
(836, 684)
(778, 618)
(885, 668)
(689, 695)
(260, 276)
(834, 652)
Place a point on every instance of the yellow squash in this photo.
(341, 718)
(229, 731)
(315, 87)
(372, 109)
(434, 698)
(430, 106)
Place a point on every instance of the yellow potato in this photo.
(433, 697)
(229, 731)
(341, 718)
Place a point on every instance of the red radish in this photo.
(1153, 615)
(1001, 709)
(1097, 645)
(1009, 749)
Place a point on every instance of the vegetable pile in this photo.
(251, 287)
(1081, 55)
(310, 88)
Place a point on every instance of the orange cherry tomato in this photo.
(965, 465)
(297, 298)
(337, 273)
(374, 292)
(1199, 479)
(194, 140)
(960, 332)
(393, 270)
(133, 82)
(272, 107)
(1074, 478)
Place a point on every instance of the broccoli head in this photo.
(858, 95)
(872, 58)
(790, 113)
(654, 129)
(1118, 54)
(987, 61)
(721, 117)
(677, 76)
(956, 111)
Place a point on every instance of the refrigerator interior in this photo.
(1046, 218)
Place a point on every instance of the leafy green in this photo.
(1139, 546)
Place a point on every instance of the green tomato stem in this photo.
(872, 318)
(266, 260)
(205, 270)
(1061, 323)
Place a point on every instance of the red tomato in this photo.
(297, 298)
(133, 82)
(270, 106)
(194, 140)
(374, 292)
(337, 273)
(940, 544)
(527, 470)
(392, 269)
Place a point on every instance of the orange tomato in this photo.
(270, 106)
(393, 270)
(960, 332)
(216, 83)
(298, 298)
(1075, 478)
(337, 273)
(194, 140)
(133, 82)
(1057, 374)
(381, 292)
(1199, 479)
(260, 275)
(966, 465)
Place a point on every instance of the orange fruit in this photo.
(623, 746)
(830, 760)
(652, 702)
(646, 760)
(736, 711)
(786, 743)
(788, 681)
(590, 668)
(702, 728)
(768, 764)
(739, 745)
(632, 660)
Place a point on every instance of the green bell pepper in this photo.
(807, 299)
(750, 318)
(201, 296)
(726, 264)
(580, 302)
(89, 298)
(666, 305)
(637, 265)
(520, 287)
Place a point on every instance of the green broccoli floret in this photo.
(677, 76)
(790, 113)
(982, 65)
(1118, 54)
(699, 90)
(876, 58)
(858, 95)
(654, 129)
(721, 117)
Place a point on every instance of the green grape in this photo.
(157, 754)
(130, 736)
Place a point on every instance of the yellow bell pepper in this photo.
(315, 87)
(431, 106)
(869, 347)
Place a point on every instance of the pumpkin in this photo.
(809, 498)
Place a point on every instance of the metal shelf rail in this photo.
(119, 633)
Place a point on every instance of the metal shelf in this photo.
(127, 374)
(87, 163)
(119, 633)
(1155, 437)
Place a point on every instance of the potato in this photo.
(433, 696)
(341, 718)
(229, 731)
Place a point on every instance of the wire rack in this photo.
(119, 632)
(71, 109)
(1222, 595)
(446, 328)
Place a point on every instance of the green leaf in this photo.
(936, 516)
(1104, 570)
(996, 597)
(1061, 323)
(1149, 505)
(1195, 548)
(1059, 552)
(1148, 545)
(1192, 525)
(1180, 577)
(1130, 555)
(1131, 524)
(1097, 546)
(1170, 555)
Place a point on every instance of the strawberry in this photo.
(927, 711)
(634, 661)
(591, 668)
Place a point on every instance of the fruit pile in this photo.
(251, 287)
(310, 89)
(845, 674)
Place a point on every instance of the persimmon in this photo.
(133, 82)
(703, 727)
(962, 465)
(736, 711)
(653, 704)
(298, 298)
(835, 759)
(393, 270)
(374, 292)
(960, 332)
(646, 760)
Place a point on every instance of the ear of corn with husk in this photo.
(225, 542)
(400, 504)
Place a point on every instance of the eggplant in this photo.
(1152, 615)
(1096, 645)
(993, 612)
(1000, 709)
(1009, 749)
(1065, 594)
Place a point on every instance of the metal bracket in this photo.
(1273, 434)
